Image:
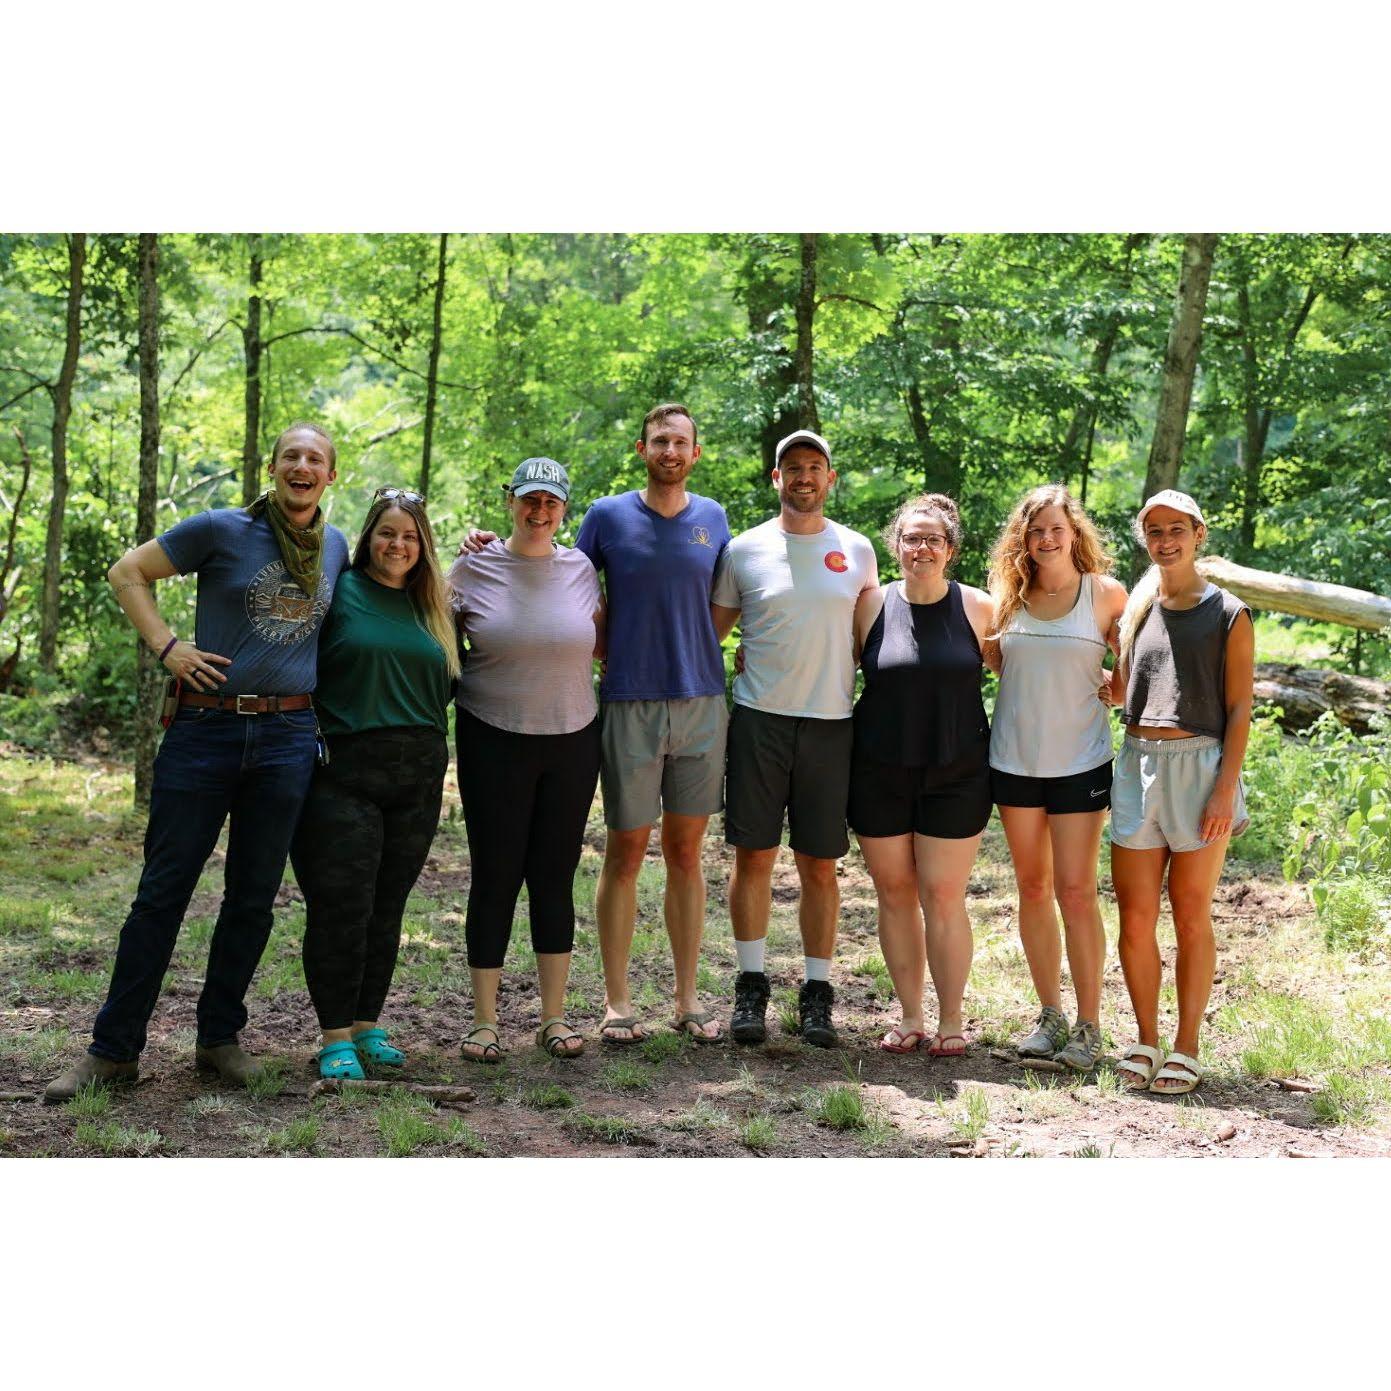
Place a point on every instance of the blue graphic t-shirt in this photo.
(249, 608)
(657, 577)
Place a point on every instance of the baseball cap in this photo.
(539, 475)
(1171, 497)
(801, 437)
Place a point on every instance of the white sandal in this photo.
(1145, 1072)
(1178, 1067)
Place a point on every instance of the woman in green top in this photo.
(386, 662)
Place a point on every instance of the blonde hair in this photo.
(425, 582)
(1142, 597)
(1012, 569)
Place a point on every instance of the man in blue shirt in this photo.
(241, 744)
(664, 713)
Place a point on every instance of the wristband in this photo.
(168, 649)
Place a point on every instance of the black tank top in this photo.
(921, 705)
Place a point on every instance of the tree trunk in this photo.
(1180, 363)
(432, 375)
(1329, 603)
(766, 297)
(62, 409)
(252, 348)
(147, 669)
(804, 356)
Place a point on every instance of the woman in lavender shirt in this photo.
(528, 745)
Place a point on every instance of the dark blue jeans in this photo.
(212, 764)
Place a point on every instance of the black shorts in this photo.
(951, 802)
(785, 763)
(1089, 791)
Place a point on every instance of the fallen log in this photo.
(1329, 603)
(1305, 693)
(332, 1086)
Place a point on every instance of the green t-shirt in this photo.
(378, 666)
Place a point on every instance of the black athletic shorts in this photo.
(1089, 791)
(951, 802)
(786, 763)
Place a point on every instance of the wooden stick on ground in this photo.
(332, 1086)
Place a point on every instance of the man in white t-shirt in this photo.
(792, 585)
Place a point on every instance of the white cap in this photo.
(801, 437)
(1171, 497)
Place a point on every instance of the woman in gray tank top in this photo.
(1056, 612)
(1185, 668)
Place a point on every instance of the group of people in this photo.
(311, 707)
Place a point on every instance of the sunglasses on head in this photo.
(391, 494)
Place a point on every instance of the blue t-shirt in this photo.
(249, 609)
(658, 572)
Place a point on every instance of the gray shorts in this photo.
(786, 763)
(1160, 789)
(662, 755)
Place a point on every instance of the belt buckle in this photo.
(251, 711)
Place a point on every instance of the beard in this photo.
(803, 502)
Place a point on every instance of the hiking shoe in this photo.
(747, 1023)
(1050, 1034)
(1083, 1047)
(90, 1071)
(228, 1061)
(814, 1013)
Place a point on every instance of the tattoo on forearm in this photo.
(129, 584)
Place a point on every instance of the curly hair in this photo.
(1012, 569)
(938, 504)
(425, 582)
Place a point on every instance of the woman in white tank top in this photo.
(1056, 612)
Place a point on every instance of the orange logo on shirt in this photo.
(835, 560)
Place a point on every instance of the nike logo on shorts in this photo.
(1100, 792)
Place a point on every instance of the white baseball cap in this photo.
(1171, 497)
(808, 437)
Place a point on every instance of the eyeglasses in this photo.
(933, 543)
(391, 494)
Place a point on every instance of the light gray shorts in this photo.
(662, 755)
(1160, 789)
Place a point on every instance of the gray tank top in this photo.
(1048, 721)
(1178, 665)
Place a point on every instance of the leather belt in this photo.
(247, 704)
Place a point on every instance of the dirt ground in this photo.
(666, 1097)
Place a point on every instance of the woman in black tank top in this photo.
(920, 781)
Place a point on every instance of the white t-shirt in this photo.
(797, 596)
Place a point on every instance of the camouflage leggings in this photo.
(362, 841)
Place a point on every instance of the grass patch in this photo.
(873, 969)
(788, 1016)
(546, 1096)
(91, 1102)
(608, 1130)
(704, 1117)
(268, 1081)
(664, 1045)
(404, 1126)
(25, 915)
(67, 985)
(970, 1114)
(841, 1108)
(1284, 1036)
(626, 1075)
(1356, 915)
(201, 1107)
(759, 1134)
(299, 1137)
(111, 1138)
(39, 1048)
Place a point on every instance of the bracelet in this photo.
(168, 649)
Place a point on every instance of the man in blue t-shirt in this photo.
(663, 711)
(241, 744)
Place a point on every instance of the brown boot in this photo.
(90, 1071)
(228, 1061)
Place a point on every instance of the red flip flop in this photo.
(936, 1049)
(907, 1043)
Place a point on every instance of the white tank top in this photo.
(1048, 721)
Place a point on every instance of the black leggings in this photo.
(526, 799)
(362, 841)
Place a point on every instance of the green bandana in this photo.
(301, 548)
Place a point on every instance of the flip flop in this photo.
(554, 1044)
(492, 1052)
(627, 1021)
(937, 1048)
(682, 1024)
(908, 1042)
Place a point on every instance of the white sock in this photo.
(818, 967)
(751, 954)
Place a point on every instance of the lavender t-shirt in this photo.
(529, 621)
